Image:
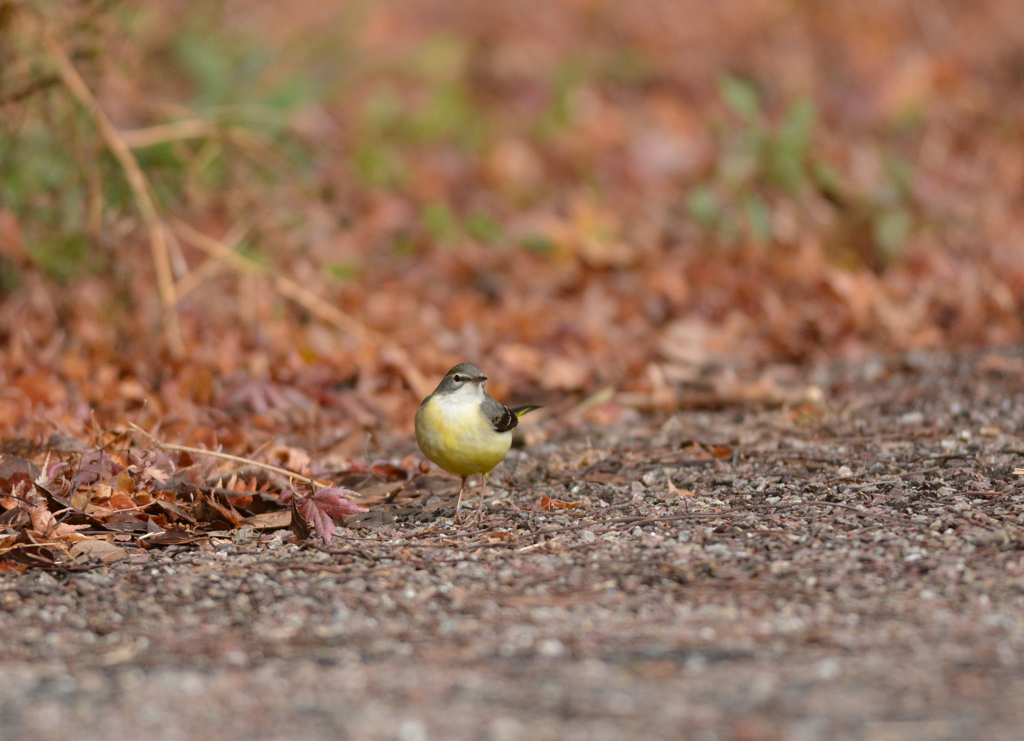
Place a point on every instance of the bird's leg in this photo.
(458, 504)
(480, 509)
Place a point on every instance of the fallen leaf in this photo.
(390, 470)
(8, 565)
(291, 458)
(547, 503)
(97, 549)
(320, 509)
(275, 520)
(42, 519)
(501, 536)
(563, 374)
(119, 500)
(696, 451)
(170, 537)
(228, 513)
(16, 473)
(522, 360)
(299, 523)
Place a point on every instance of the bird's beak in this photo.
(479, 379)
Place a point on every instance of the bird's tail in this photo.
(520, 411)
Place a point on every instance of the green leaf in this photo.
(738, 167)
(891, 229)
(404, 246)
(207, 62)
(344, 271)
(758, 216)
(448, 114)
(291, 94)
(790, 149)
(703, 206)
(628, 65)
(64, 256)
(795, 131)
(384, 111)
(742, 97)
(440, 222)
(378, 166)
(442, 58)
(827, 178)
(253, 254)
(538, 244)
(786, 170)
(9, 278)
(483, 227)
(561, 110)
(901, 173)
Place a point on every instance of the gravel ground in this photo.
(845, 570)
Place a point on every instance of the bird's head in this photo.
(462, 376)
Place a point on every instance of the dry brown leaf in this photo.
(547, 503)
(291, 458)
(98, 549)
(276, 520)
(42, 519)
(563, 374)
(521, 360)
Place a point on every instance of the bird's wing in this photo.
(502, 419)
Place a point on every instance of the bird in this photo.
(465, 430)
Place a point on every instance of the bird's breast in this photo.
(455, 434)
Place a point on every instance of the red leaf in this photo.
(15, 471)
(325, 505)
(322, 523)
(334, 501)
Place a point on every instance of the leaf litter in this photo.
(798, 552)
(712, 529)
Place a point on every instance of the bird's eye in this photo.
(457, 378)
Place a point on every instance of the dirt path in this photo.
(850, 571)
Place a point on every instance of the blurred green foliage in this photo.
(760, 164)
(440, 223)
(9, 278)
(343, 271)
(50, 177)
(757, 161)
(483, 227)
(234, 77)
(63, 255)
(56, 175)
(560, 112)
(538, 244)
(444, 226)
(433, 101)
(427, 100)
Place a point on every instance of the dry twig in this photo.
(140, 188)
(311, 303)
(228, 457)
